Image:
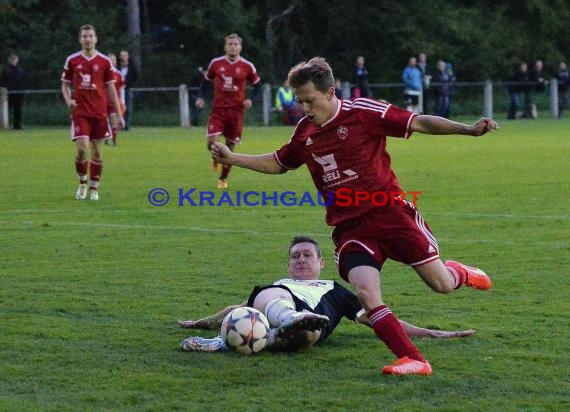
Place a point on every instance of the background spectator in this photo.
(130, 76)
(516, 91)
(361, 78)
(451, 87)
(563, 82)
(443, 89)
(538, 85)
(426, 79)
(338, 88)
(12, 78)
(286, 104)
(412, 77)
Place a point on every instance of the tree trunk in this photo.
(134, 30)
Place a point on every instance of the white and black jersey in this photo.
(324, 297)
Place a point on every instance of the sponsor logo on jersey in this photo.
(331, 172)
(342, 132)
(309, 141)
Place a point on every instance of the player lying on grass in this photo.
(302, 309)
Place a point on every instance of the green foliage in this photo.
(91, 290)
(482, 38)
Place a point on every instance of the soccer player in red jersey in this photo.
(343, 143)
(90, 75)
(230, 74)
(120, 90)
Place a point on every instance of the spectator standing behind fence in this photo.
(338, 88)
(563, 82)
(130, 76)
(517, 90)
(412, 77)
(195, 83)
(443, 89)
(426, 79)
(361, 79)
(538, 84)
(12, 78)
(450, 87)
(286, 104)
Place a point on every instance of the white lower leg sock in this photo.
(277, 310)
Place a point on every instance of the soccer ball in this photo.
(245, 330)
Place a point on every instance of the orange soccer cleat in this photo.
(222, 184)
(407, 366)
(476, 278)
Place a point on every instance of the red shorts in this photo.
(92, 128)
(391, 232)
(228, 122)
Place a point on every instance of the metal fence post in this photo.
(488, 99)
(266, 102)
(184, 105)
(4, 107)
(554, 98)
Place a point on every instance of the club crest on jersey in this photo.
(95, 67)
(342, 132)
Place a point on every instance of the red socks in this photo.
(95, 169)
(458, 273)
(390, 331)
(81, 169)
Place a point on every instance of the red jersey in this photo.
(348, 152)
(88, 77)
(230, 79)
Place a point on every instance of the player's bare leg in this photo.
(81, 165)
(366, 281)
(445, 278)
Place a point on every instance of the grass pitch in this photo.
(91, 290)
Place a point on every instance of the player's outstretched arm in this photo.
(264, 163)
(415, 331)
(211, 322)
(438, 125)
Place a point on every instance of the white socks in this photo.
(277, 310)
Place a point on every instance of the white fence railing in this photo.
(487, 89)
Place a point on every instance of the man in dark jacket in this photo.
(12, 78)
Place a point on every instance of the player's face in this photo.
(318, 106)
(304, 263)
(232, 48)
(88, 39)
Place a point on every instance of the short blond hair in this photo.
(87, 27)
(233, 36)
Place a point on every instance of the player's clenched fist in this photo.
(220, 152)
(483, 125)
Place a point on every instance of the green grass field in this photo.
(91, 290)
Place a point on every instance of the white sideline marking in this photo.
(300, 210)
(272, 233)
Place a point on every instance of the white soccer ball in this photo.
(245, 330)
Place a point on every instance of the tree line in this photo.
(482, 38)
